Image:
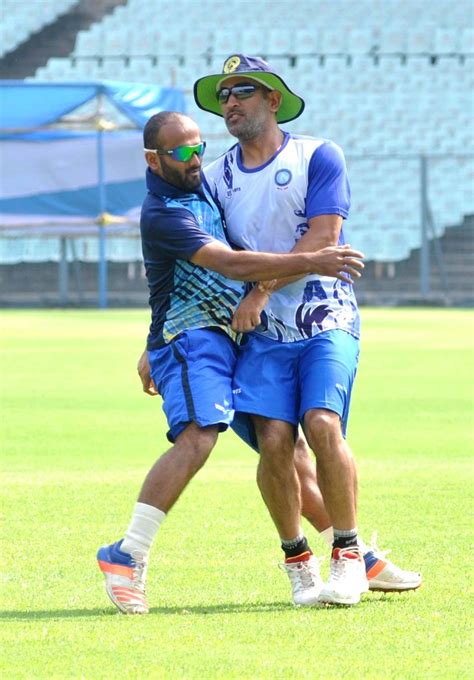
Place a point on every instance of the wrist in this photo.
(266, 287)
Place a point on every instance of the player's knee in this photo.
(275, 440)
(322, 428)
(196, 444)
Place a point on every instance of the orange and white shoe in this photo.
(125, 577)
(385, 575)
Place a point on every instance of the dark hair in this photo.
(154, 125)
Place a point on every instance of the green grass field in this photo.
(78, 436)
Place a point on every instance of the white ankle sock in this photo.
(328, 535)
(145, 522)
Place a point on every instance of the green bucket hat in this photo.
(255, 68)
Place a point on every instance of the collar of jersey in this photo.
(242, 167)
(156, 185)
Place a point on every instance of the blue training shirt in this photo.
(174, 225)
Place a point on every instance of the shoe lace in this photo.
(396, 572)
(302, 574)
(374, 547)
(340, 566)
(139, 564)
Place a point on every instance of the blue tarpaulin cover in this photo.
(60, 176)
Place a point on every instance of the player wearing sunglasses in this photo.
(195, 285)
(305, 329)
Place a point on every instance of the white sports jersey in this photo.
(267, 209)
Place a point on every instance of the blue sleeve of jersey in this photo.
(173, 233)
(329, 192)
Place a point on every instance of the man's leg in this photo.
(347, 580)
(124, 563)
(382, 574)
(312, 502)
(336, 470)
(276, 475)
(171, 473)
(326, 369)
(279, 486)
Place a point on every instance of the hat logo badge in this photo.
(231, 64)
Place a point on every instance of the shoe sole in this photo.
(340, 603)
(330, 599)
(317, 603)
(390, 588)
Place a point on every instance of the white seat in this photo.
(226, 42)
(253, 42)
(116, 42)
(390, 39)
(307, 41)
(89, 43)
(360, 41)
(186, 74)
(281, 65)
(333, 42)
(197, 44)
(143, 70)
(467, 41)
(143, 43)
(57, 68)
(111, 69)
(169, 41)
(420, 39)
(279, 41)
(446, 41)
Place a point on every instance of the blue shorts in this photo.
(193, 374)
(283, 381)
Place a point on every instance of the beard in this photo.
(187, 179)
(247, 129)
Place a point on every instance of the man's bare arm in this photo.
(334, 261)
(323, 231)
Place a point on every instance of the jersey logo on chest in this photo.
(283, 178)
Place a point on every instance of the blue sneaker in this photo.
(125, 577)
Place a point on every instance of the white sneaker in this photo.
(125, 577)
(305, 579)
(386, 576)
(347, 579)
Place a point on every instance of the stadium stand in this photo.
(390, 81)
(21, 19)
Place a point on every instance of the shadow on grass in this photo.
(23, 615)
(259, 607)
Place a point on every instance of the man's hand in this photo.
(340, 262)
(143, 368)
(247, 315)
